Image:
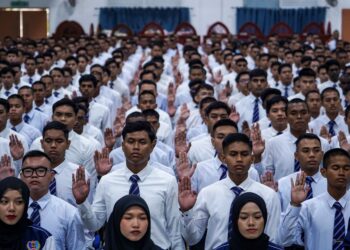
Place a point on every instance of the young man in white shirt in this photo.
(321, 222)
(7, 80)
(313, 101)
(48, 211)
(307, 81)
(309, 154)
(140, 177)
(286, 80)
(32, 116)
(332, 120)
(203, 212)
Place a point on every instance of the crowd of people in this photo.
(149, 143)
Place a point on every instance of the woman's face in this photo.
(11, 207)
(250, 221)
(134, 223)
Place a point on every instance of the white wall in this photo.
(203, 12)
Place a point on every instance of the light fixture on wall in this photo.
(332, 3)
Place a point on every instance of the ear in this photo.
(296, 156)
(324, 172)
(212, 141)
(41, 143)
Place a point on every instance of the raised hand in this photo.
(228, 88)
(217, 78)
(325, 134)
(103, 163)
(119, 122)
(80, 187)
(268, 180)
(299, 190)
(184, 113)
(16, 147)
(245, 128)
(171, 100)
(187, 197)
(234, 115)
(180, 140)
(178, 79)
(183, 167)
(109, 138)
(343, 142)
(5, 167)
(257, 141)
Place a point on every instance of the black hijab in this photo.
(11, 235)
(238, 242)
(115, 240)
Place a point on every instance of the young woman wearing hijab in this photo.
(249, 216)
(129, 226)
(16, 230)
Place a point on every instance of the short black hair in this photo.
(146, 72)
(282, 66)
(217, 105)
(16, 96)
(269, 91)
(236, 137)
(146, 92)
(56, 125)
(57, 69)
(81, 99)
(205, 100)
(329, 89)
(274, 100)
(39, 83)
(332, 62)
(257, 73)
(313, 91)
(65, 102)
(88, 78)
(150, 112)
(7, 70)
(223, 122)
(306, 136)
(334, 152)
(147, 82)
(72, 58)
(132, 127)
(35, 153)
(240, 74)
(5, 104)
(295, 101)
(307, 72)
(135, 114)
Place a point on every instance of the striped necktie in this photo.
(339, 227)
(308, 181)
(286, 92)
(35, 216)
(134, 188)
(256, 111)
(52, 185)
(237, 191)
(296, 165)
(224, 171)
(331, 128)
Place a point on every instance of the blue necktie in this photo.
(55, 93)
(111, 84)
(30, 80)
(279, 133)
(224, 171)
(35, 216)
(339, 227)
(134, 188)
(296, 165)
(26, 118)
(237, 191)
(52, 185)
(308, 181)
(331, 128)
(46, 101)
(7, 93)
(14, 129)
(334, 85)
(256, 111)
(286, 92)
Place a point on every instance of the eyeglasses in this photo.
(39, 171)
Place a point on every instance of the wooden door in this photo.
(35, 24)
(10, 23)
(345, 33)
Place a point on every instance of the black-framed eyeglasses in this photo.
(39, 171)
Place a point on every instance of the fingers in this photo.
(193, 168)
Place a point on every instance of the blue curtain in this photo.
(137, 18)
(266, 18)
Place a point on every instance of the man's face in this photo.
(16, 109)
(30, 66)
(27, 95)
(87, 89)
(7, 80)
(40, 180)
(82, 119)
(297, 58)
(238, 158)
(66, 115)
(47, 62)
(58, 79)
(137, 147)
(219, 135)
(55, 144)
(197, 74)
(243, 83)
(214, 116)
(257, 85)
(333, 73)
(147, 101)
(73, 66)
(314, 102)
(331, 102)
(277, 114)
(323, 75)
(298, 116)
(286, 75)
(241, 66)
(264, 63)
(149, 87)
(154, 122)
(307, 83)
(82, 63)
(48, 85)
(337, 172)
(309, 154)
(202, 93)
(12, 58)
(40, 64)
(156, 51)
(3, 116)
